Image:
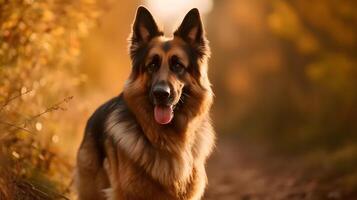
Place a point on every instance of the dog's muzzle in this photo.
(163, 110)
(161, 93)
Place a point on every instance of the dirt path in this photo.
(238, 172)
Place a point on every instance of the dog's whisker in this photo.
(186, 95)
(181, 100)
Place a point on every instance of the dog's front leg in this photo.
(111, 168)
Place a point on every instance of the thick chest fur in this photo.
(135, 163)
(136, 184)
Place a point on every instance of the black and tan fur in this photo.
(125, 154)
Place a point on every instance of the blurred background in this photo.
(284, 74)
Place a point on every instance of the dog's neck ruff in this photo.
(171, 168)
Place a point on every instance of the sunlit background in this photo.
(284, 75)
(172, 11)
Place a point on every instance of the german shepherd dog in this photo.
(152, 141)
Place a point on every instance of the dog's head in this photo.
(169, 68)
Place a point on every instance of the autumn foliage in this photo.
(39, 49)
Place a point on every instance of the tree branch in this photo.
(9, 100)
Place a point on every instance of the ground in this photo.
(238, 171)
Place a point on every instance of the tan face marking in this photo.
(165, 56)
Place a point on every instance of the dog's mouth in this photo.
(165, 108)
(163, 114)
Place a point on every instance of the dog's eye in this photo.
(152, 67)
(178, 68)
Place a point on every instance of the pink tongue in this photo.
(163, 114)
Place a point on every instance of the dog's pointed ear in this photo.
(191, 28)
(144, 27)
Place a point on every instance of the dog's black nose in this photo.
(161, 92)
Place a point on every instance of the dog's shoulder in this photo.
(95, 131)
(96, 122)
